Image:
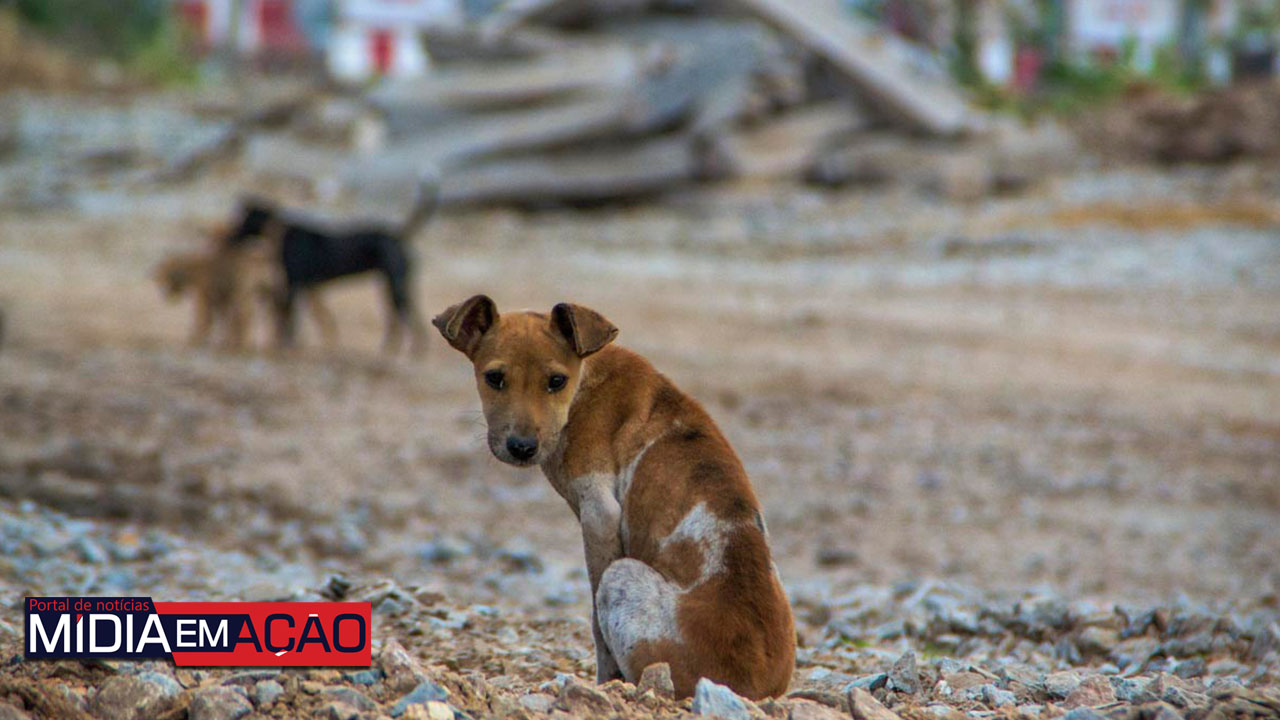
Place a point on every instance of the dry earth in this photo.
(1034, 435)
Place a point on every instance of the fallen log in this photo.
(581, 68)
(516, 13)
(878, 63)
(789, 145)
(595, 174)
(955, 171)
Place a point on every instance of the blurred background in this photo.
(985, 293)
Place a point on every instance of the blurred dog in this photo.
(226, 283)
(312, 253)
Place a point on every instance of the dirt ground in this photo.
(1036, 396)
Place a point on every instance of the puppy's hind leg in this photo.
(286, 319)
(204, 321)
(324, 319)
(636, 609)
(398, 313)
(237, 320)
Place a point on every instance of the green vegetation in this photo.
(141, 35)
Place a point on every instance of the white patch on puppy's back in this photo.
(707, 531)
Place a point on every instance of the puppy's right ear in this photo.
(465, 323)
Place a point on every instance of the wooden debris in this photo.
(788, 146)
(588, 67)
(879, 63)
(589, 175)
(589, 100)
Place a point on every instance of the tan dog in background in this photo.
(226, 284)
(676, 547)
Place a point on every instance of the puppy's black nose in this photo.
(522, 448)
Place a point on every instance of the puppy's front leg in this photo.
(601, 518)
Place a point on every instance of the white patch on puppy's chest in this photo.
(708, 532)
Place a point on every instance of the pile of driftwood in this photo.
(547, 101)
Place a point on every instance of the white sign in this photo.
(1107, 25)
(394, 13)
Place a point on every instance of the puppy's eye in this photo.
(556, 382)
(495, 379)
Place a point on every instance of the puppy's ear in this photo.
(465, 323)
(586, 330)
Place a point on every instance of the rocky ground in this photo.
(1019, 458)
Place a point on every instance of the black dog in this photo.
(311, 253)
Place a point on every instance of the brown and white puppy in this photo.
(676, 547)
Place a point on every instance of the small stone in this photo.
(425, 692)
(349, 696)
(1095, 690)
(437, 710)
(1084, 713)
(365, 677)
(997, 698)
(864, 706)
(1181, 697)
(71, 697)
(218, 703)
(556, 685)
(829, 698)
(964, 680)
(132, 696)
(809, 710)
(869, 682)
(520, 559)
(1225, 684)
(168, 686)
(657, 677)
(311, 687)
(9, 712)
(402, 671)
(431, 710)
(265, 693)
(1133, 690)
(1160, 711)
(772, 708)
(836, 556)
(90, 551)
(1060, 684)
(621, 687)
(1097, 640)
(250, 677)
(905, 676)
(1190, 668)
(536, 702)
(713, 700)
(340, 711)
(443, 550)
(577, 697)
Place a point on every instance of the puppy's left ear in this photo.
(465, 323)
(586, 330)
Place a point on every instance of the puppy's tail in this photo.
(424, 207)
